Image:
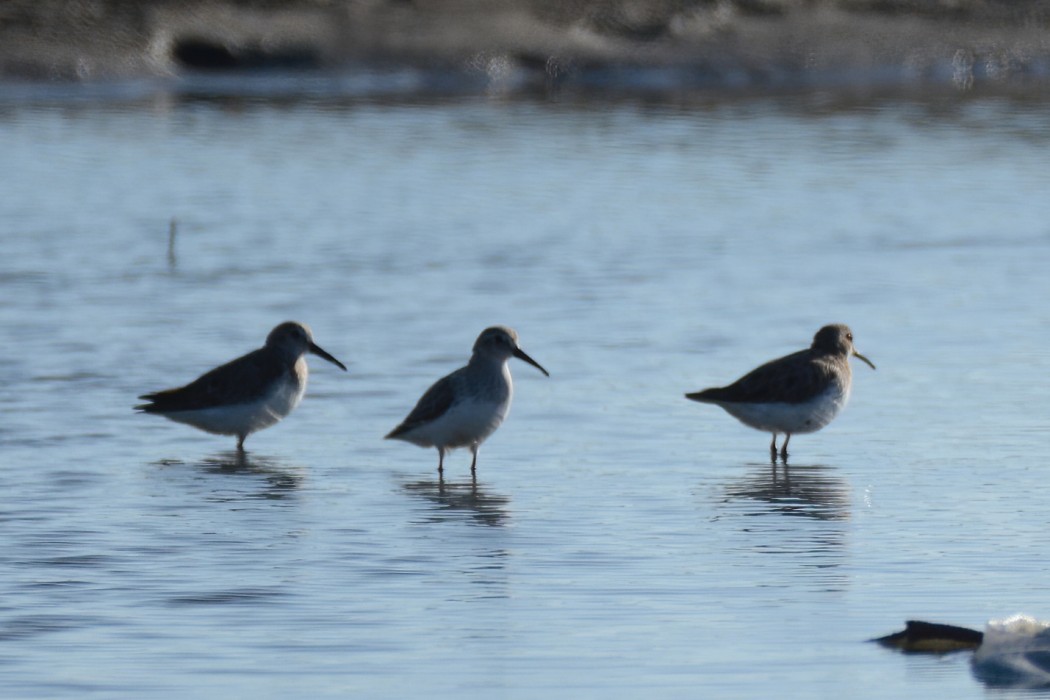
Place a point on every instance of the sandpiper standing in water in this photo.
(799, 393)
(465, 407)
(247, 394)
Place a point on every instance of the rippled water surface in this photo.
(620, 541)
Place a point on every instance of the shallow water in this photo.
(620, 541)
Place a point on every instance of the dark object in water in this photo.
(204, 55)
(932, 638)
(207, 55)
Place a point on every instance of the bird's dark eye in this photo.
(849, 337)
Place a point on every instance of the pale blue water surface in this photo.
(620, 542)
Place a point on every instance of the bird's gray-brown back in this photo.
(238, 381)
(795, 378)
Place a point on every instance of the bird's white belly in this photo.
(245, 418)
(464, 423)
(807, 417)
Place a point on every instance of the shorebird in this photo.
(247, 394)
(799, 393)
(465, 407)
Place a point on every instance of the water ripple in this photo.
(237, 596)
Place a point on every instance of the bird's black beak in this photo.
(520, 354)
(319, 351)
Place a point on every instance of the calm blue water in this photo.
(620, 542)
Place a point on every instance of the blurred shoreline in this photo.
(542, 44)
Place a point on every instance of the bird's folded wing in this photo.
(790, 379)
(431, 406)
(238, 381)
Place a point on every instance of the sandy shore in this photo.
(961, 43)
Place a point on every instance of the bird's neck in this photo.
(483, 360)
(490, 368)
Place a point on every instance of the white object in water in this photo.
(1015, 652)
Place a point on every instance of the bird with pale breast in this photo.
(799, 393)
(248, 394)
(465, 407)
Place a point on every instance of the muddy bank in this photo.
(598, 43)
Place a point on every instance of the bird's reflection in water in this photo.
(806, 491)
(249, 476)
(450, 501)
(809, 545)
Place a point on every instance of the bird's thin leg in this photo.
(784, 448)
(441, 461)
(474, 461)
(773, 449)
(240, 442)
